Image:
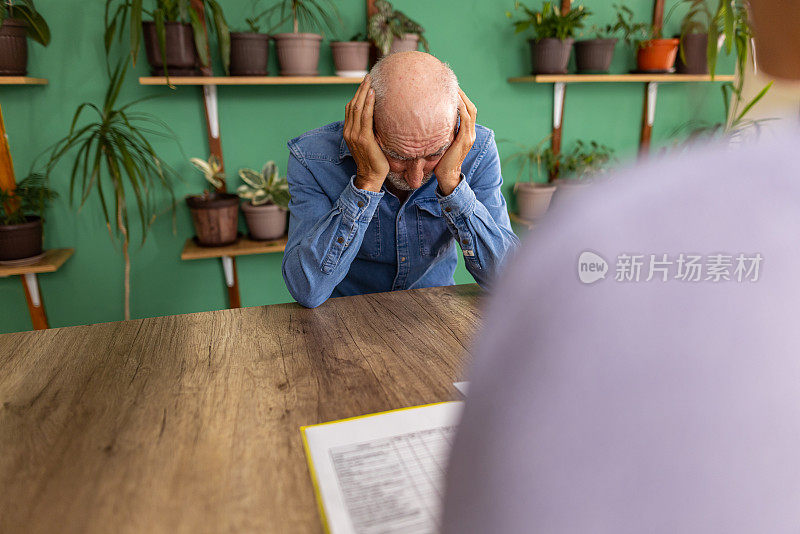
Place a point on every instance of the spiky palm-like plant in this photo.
(114, 158)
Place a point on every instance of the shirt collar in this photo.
(344, 150)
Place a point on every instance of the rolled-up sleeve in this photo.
(324, 236)
(477, 216)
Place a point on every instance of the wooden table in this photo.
(191, 423)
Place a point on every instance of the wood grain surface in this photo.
(191, 423)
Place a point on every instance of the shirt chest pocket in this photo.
(371, 245)
(434, 236)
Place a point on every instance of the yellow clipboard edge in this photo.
(310, 461)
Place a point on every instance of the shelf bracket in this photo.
(652, 95)
(212, 110)
(648, 117)
(30, 283)
(33, 289)
(227, 267)
(559, 89)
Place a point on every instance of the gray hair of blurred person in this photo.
(446, 77)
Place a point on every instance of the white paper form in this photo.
(383, 473)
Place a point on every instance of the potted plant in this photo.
(693, 49)
(533, 198)
(21, 212)
(595, 55)
(267, 202)
(114, 157)
(653, 53)
(19, 21)
(215, 214)
(250, 48)
(351, 58)
(392, 31)
(298, 53)
(578, 167)
(175, 39)
(555, 32)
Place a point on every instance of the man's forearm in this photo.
(319, 253)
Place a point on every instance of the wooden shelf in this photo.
(250, 80)
(243, 247)
(52, 261)
(616, 78)
(516, 219)
(22, 80)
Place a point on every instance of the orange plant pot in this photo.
(657, 55)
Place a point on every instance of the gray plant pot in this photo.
(409, 43)
(594, 55)
(567, 189)
(533, 199)
(265, 223)
(351, 58)
(249, 54)
(695, 49)
(13, 48)
(298, 53)
(550, 56)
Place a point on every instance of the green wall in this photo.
(474, 36)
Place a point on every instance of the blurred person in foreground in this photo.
(668, 404)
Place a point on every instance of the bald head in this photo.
(416, 96)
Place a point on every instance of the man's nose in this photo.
(415, 173)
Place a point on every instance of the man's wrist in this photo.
(368, 183)
(448, 182)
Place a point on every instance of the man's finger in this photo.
(367, 112)
(349, 109)
(361, 97)
(473, 111)
(465, 125)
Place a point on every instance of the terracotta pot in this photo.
(550, 56)
(19, 241)
(694, 47)
(351, 58)
(594, 55)
(249, 54)
(265, 223)
(298, 53)
(533, 199)
(409, 43)
(182, 59)
(215, 218)
(13, 48)
(657, 55)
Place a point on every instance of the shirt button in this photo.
(403, 258)
(360, 204)
(340, 240)
(448, 210)
(465, 241)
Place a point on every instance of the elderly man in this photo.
(380, 201)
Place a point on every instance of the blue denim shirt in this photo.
(348, 241)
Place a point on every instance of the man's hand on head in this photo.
(448, 171)
(372, 167)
